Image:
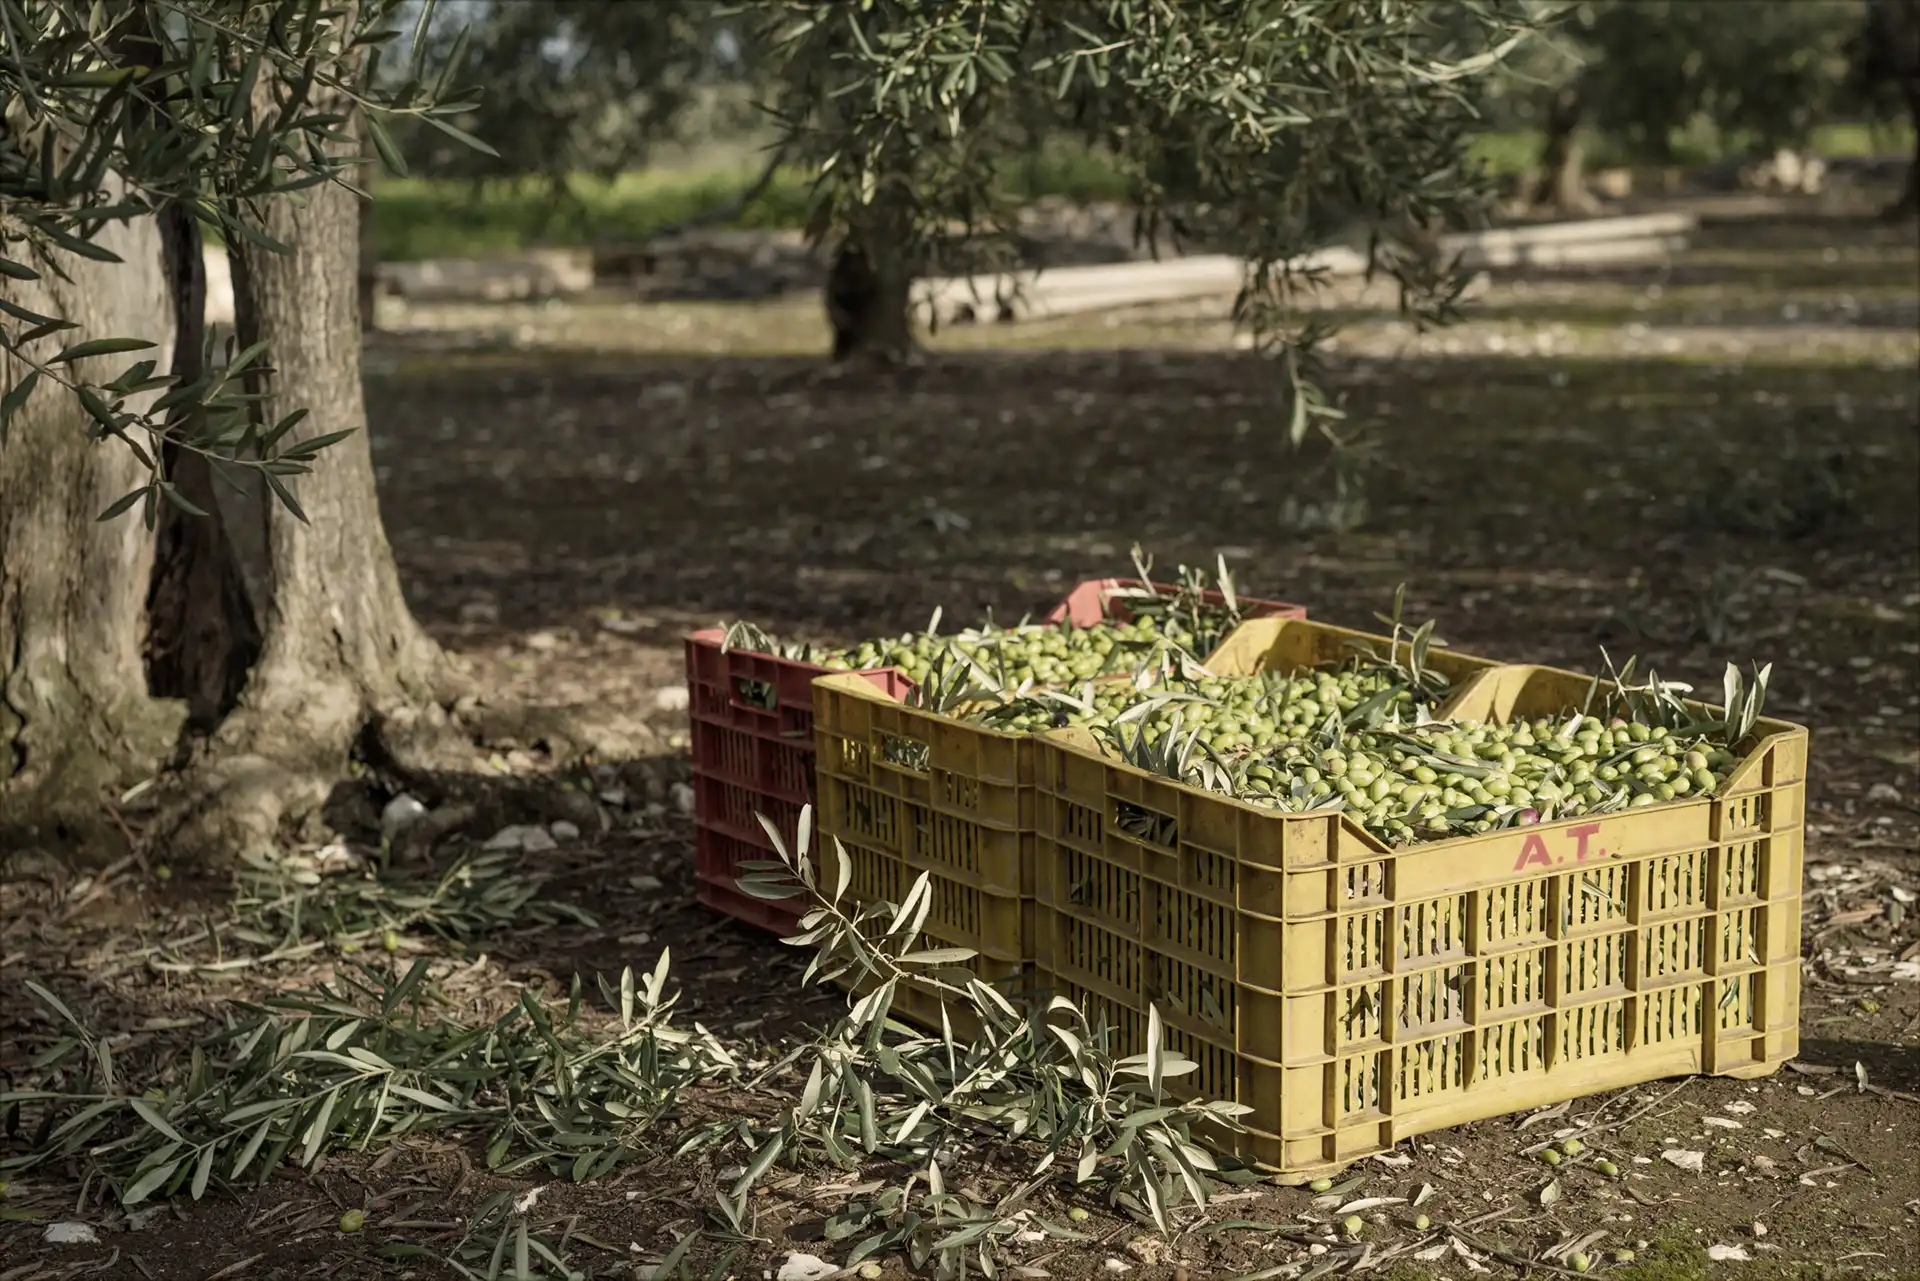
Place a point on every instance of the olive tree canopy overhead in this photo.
(1761, 74)
(1262, 126)
(115, 112)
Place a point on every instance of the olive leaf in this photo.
(370, 1060)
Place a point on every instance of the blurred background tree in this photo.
(909, 138)
(1259, 127)
(585, 89)
(618, 121)
(1651, 79)
(1885, 82)
(1758, 73)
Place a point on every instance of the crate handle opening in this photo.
(1147, 825)
(907, 753)
(762, 695)
(853, 756)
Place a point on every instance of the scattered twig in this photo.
(1631, 1117)
(1508, 1257)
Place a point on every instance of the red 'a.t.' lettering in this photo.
(1582, 834)
(1533, 854)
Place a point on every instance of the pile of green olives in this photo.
(1361, 738)
(1230, 713)
(1028, 657)
(1420, 782)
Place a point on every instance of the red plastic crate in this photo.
(752, 731)
(1093, 601)
(718, 859)
(753, 748)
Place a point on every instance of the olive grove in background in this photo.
(969, 95)
(1647, 77)
(237, 621)
(219, 562)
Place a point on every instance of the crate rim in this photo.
(1259, 606)
(1266, 631)
(849, 683)
(715, 636)
(1079, 741)
(1521, 673)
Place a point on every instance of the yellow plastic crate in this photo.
(907, 791)
(1292, 644)
(1353, 995)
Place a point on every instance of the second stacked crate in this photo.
(753, 742)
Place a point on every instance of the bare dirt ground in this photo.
(1718, 461)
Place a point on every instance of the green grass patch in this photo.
(427, 218)
(423, 218)
(1513, 152)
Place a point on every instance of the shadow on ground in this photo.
(679, 492)
(1893, 1066)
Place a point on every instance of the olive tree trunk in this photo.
(1905, 30)
(1561, 177)
(76, 720)
(369, 279)
(342, 663)
(369, 276)
(1908, 203)
(868, 296)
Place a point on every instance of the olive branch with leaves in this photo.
(215, 107)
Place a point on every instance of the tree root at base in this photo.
(259, 780)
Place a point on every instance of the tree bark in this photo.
(1905, 29)
(340, 654)
(1909, 202)
(201, 633)
(76, 719)
(369, 277)
(1891, 54)
(1561, 183)
(868, 296)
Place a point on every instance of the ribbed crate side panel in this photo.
(1354, 995)
(752, 743)
(907, 792)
